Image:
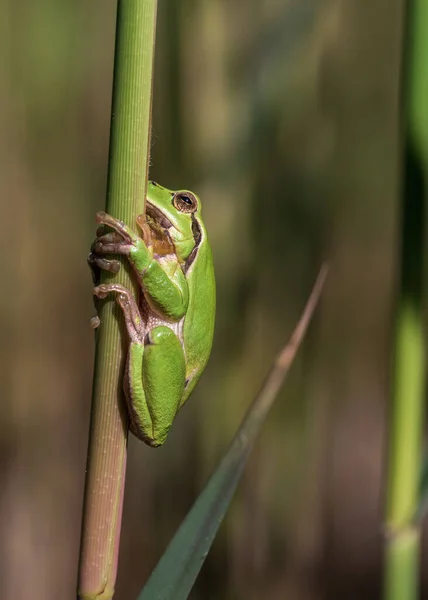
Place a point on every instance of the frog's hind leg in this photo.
(155, 372)
(133, 321)
(154, 384)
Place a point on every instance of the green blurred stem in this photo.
(402, 545)
(126, 190)
(417, 116)
(406, 419)
(407, 413)
(402, 558)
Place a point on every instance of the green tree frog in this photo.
(171, 325)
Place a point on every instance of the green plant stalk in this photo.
(402, 547)
(126, 191)
(402, 566)
(407, 414)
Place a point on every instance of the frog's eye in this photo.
(185, 202)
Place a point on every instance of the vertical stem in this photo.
(401, 568)
(407, 413)
(126, 190)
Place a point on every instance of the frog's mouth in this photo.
(159, 218)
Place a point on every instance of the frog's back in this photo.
(199, 321)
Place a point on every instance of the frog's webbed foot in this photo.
(133, 321)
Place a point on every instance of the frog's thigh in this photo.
(156, 378)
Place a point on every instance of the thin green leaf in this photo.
(175, 574)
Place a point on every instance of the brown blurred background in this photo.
(282, 116)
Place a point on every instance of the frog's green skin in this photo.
(171, 327)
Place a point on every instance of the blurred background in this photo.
(283, 116)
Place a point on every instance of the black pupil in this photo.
(186, 199)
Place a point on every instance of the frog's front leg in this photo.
(165, 286)
(155, 372)
(98, 263)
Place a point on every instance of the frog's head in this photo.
(174, 215)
